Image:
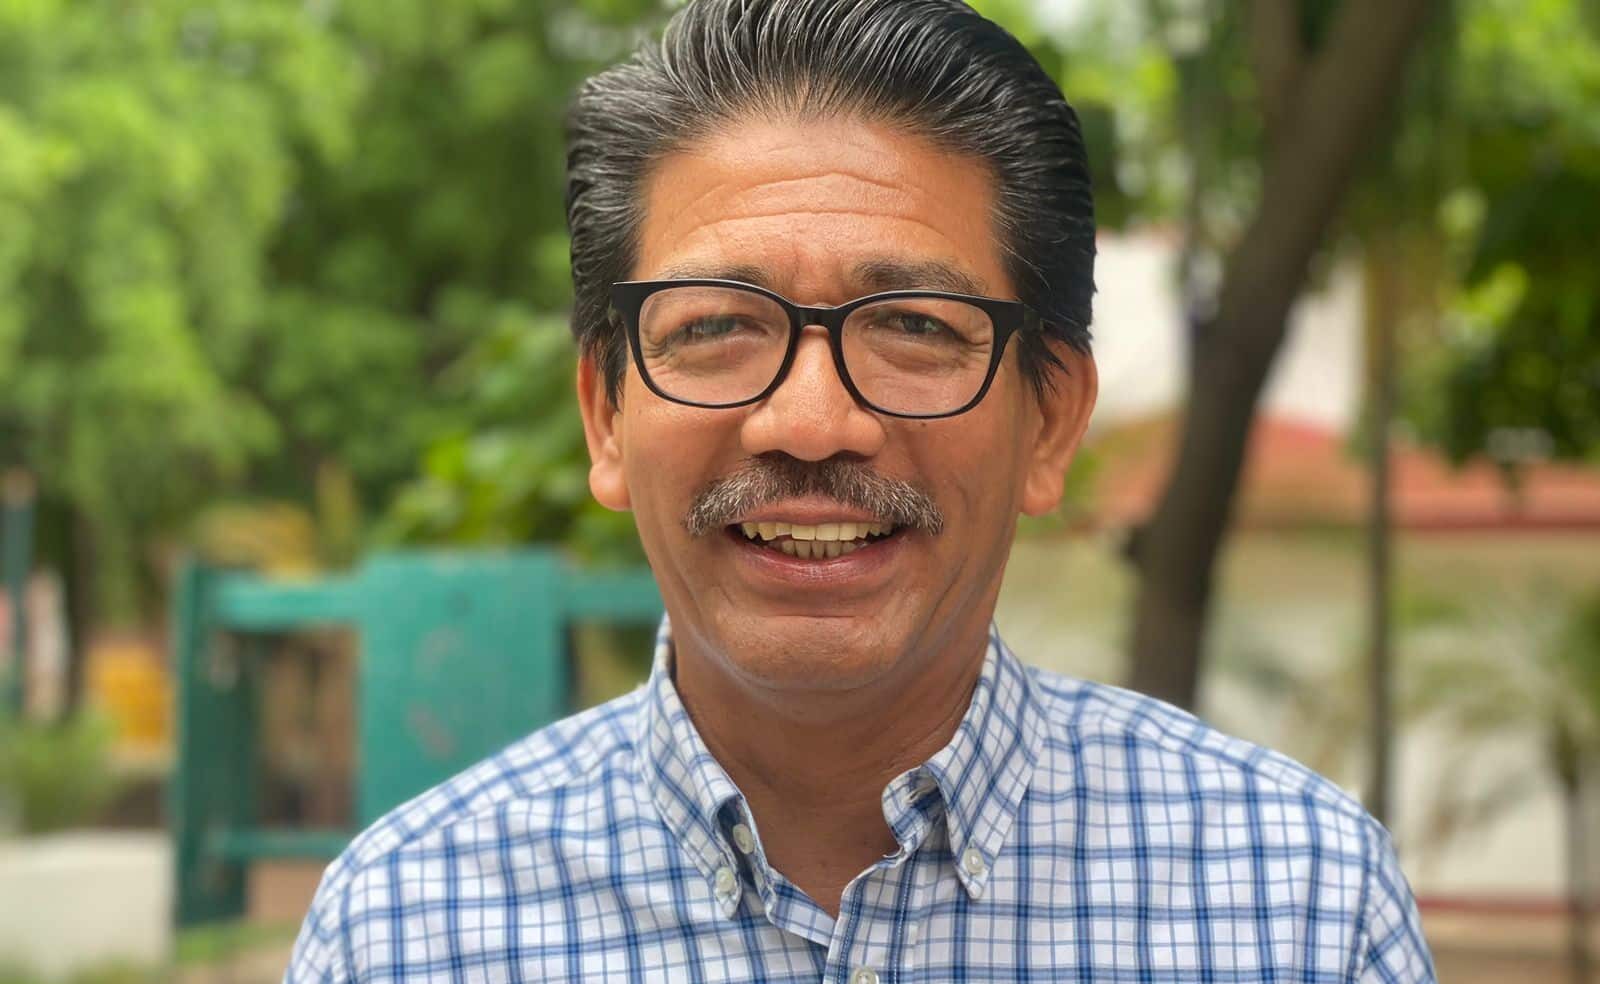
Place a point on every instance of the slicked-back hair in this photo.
(933, 68)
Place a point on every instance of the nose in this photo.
(811, 416)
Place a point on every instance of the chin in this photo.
(807, 653)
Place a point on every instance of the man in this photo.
(833, 265)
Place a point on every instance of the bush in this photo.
(55, 776)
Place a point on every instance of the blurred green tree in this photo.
(242, 242)
(147, 155)
(55, 776)
(1278, 135)
(450, 218)
(1529, 671)
(1517, 376)
(1252, 127)
(1324, 75)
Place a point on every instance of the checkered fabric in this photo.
(1069, 832)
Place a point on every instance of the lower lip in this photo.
(856, 570)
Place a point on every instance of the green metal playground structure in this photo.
(459, 655)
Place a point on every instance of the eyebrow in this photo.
(743, 273)
(879, 275)
(872, 275)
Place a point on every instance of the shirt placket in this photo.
(863, 949)
(879, 914)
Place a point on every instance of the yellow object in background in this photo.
(129, 682)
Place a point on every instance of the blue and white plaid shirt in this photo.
(1069, 831)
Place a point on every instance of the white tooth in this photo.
(769, 531)
(848, 531)
(849, 546)
(788, 547)
(750, 530)
(874, 529)
(831, 549)
(780, 529)
(828, 531)
(802, 549)
(803, 532)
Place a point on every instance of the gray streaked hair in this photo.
(935, 68)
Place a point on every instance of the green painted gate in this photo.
(460, 654)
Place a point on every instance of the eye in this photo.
(708, 329)
(911, 324)
(921, 325)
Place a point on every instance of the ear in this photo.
(1064, 412)
(602, 430)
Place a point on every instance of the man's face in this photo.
(818, 211)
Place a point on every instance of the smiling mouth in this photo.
(824, 541)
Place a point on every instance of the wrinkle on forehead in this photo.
(800, 198)
(745, 196)
(872, 275)
(862, 177)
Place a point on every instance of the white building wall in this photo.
(1140, 340)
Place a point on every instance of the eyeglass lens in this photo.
(718, 346)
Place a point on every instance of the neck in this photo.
(813, 766)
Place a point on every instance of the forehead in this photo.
(823, 207)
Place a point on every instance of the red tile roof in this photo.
(1299, 474)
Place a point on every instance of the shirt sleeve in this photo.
(321, 951)
(1392, 947)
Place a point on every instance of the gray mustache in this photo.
(768, 479)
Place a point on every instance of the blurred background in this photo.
(293, 507)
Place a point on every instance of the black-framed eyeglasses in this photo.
(720, 344)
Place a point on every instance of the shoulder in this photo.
(577, 756)
(1114, 733)
(512, 803)
(542, 765)
(1229, 815)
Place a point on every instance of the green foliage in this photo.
(438, 261)
(56, 776)
(515, 469)
(1502, 666)
(219, 942)
(146, 157)
(234, 238)
(201, 953)
(1528, 667)
(112, 973)
(1494, 152)
(1519, 370)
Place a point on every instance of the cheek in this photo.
(670, 453)
(983, 452)
(973, 467)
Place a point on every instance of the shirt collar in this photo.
(981, 775)
(688, 786)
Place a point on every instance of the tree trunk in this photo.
(1310, 165)
(78, 579)
(1382, 312)
(1580, 960)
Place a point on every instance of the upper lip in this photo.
(804, 512)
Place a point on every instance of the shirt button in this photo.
(743, 838)
(725, 881)
(864, 975)
(972, 860)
